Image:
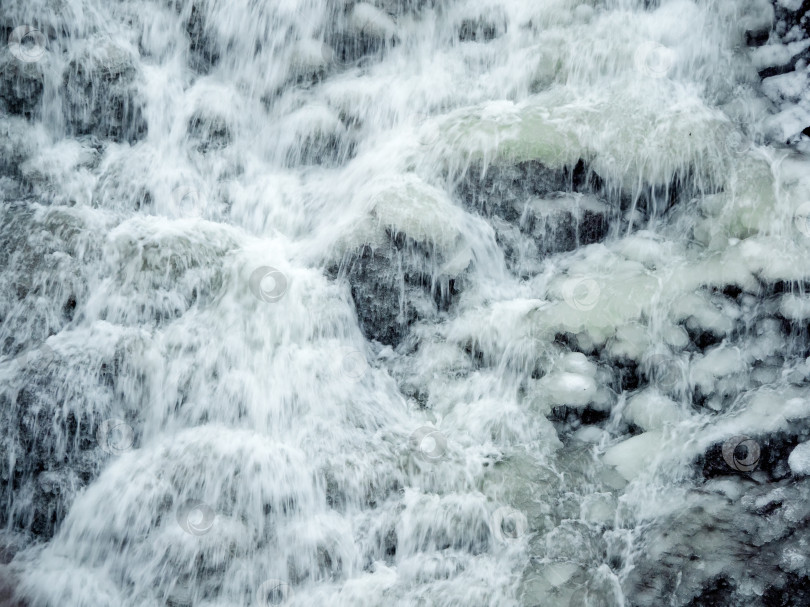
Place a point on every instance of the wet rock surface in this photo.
(204, 53)
(394, 286)
(210, 132)
(480, 29)
(535, 211)
(101, 96)
(21, 86)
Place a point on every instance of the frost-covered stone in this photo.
(718, 366)
(576, 362)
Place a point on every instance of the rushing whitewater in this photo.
(404, 303)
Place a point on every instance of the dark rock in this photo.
(351, 49)
(323, 149)
(771, 455)
(630, 376)
(701, 338)
(481, 29)
(713, 463)
(579, 415)
(720, 548)
(757, 38)
(785, 68)
(534, 211)
(788, 23)
(21, 86)
(719, 592)
(211, 132)
(564, 222)
(393, 286)
(730, 291)
(495, 190)
(362, 33)
(37, 489)
(399, 7)
(203, 50)
(100, 94)
(793, 592)
(49, 443)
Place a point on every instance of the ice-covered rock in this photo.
(403, 259)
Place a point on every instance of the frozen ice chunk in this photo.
(559, 573)
(794, 307)
(630, 341)
(572, 389)
(788, 122)
(702, 313)
(776, 54)
(651, 410)
(632, 456)
(718, 362)
(799, 460)
(589, 434)
(576, 362)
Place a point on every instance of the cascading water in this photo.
(404, 303)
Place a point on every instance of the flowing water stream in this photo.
(405, 303)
